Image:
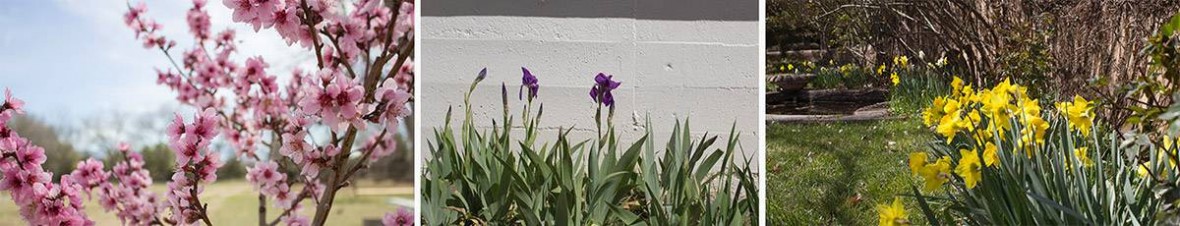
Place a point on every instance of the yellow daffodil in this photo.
(969, 168)
(957, 85)
(846, 70)
(990, 157)
(1032, 134)
(1038, 128)
(1034, 126)
(1080, 153)
(1003, 87)
(881, 69)
(782, 68)
(973, 118)
(1163, 152)
(893, 214)
(991, 131)
(969, 94)
(1142, 171)
(1029, 108)
(901, 61)
(1166, 147)
(893, 77)
(934, 112)
(949, 125)
(931, 116)
(996, 105)
(985, 133)
(951, 105)
(917, 161)
(790, 67)
(936, 174)
(1078, 114)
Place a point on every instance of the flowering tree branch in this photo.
(334, 96)
(241, 102)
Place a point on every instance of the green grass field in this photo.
(835, 174)
(236, 203)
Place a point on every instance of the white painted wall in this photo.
(692, 59)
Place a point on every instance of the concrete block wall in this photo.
(691, 59)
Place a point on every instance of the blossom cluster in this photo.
(272, 183)
(194, 163)
(130, 199)
(41, 202)
(146, 29)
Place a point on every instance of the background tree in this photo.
(60, 155)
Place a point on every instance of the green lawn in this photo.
(835, 174)
(236, 203)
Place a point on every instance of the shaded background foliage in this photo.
(1057, 47)
(60, 156)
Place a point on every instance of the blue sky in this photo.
(72, 60)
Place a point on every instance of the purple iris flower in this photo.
(529, 81)
(601, 92)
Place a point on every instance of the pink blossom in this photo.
(12, 103)
(331, 151)
(403, 218)
(89, 174)
(198, 21)
(131, 200)
(124, 147)
(294, 145)
(330, 56)
(320, 7)
(287, 24)
(253, 73)
(349, 32)
(386, 146)
(225, 40)
(196, 59)
(207, 168)
(243, 141)
(255, 12)
(394, 99)
(264, 174)
(30, 156)
(16, 180)
(255, 69)
(405, 75)
(283, 196)
(133, 14)
(296, 220)
(205, 125)
(189, 141)
(405, 20)
(336, 102)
